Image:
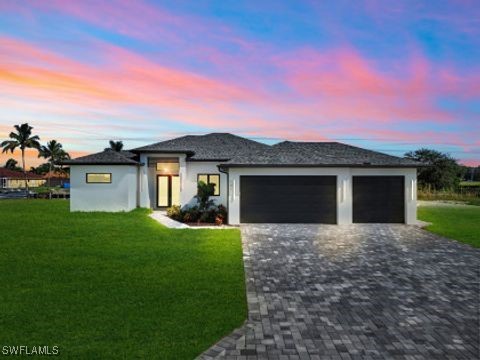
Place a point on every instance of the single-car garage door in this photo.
(378, 199)
(288, 199)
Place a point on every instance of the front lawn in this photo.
(102, 285)
(461, 223)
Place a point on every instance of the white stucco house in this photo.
(291, 182)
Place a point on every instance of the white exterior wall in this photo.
(344, 187)
(188, 180)
(194, 168)
(119, 195)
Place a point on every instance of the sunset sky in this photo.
(387, 75)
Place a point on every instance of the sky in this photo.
(391, 76)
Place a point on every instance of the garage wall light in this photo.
(344, 190)
(412, 191)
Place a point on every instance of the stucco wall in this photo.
(344, 187)
(190, 185)
(188, 180)
(119, 195)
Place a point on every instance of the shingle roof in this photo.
(106, 157)
(290, 153)
(238, 151)
(214, 146)
(13, 174)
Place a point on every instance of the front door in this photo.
(168, 190)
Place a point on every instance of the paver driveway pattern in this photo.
(366, 291)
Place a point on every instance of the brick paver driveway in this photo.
(356, 292)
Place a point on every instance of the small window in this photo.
(99, 178)
(211, 179)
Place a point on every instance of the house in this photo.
(291, 182)
(11, 179)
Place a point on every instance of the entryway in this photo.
(168, 190)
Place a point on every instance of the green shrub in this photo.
(204, 191)
(175, 213)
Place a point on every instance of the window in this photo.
(167, 168)
(99, 178)
(211, 179)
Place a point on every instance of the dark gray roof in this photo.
(106, 157)
(290, 153)
(236, 151)
(214, 146)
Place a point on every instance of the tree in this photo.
(41, 169)
(442, 172)
(22, 139)
(115, 145)
(53, 152)
(12, 164)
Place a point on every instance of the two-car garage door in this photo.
(313, 199)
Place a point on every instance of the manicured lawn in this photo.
(455, 222)
(103, 285)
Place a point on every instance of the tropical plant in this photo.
(115, 145)
(54, 153)
(12, 164)
(204, 191)
(23, 139)
(441, 171)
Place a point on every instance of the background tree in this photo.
(53, 152)
(115, 145)
(41, 169)
(442, 172)
(12, 164)
(21, 138)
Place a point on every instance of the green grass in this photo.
(454, 222)
(103, 285)
(470, 183)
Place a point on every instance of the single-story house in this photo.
(12, 179)
(289, 182)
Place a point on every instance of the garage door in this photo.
(378, 199)
(288, 199)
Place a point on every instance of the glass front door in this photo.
(168, 190)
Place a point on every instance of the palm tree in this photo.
(11, 164)
(115, 145)
(54, 153)
(22, 139)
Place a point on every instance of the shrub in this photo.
(204, 191)
(175, 213)
(191, 214)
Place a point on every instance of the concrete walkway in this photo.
(162, 218)
(363, 291)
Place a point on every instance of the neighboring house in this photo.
(305, 182)
(11, 179)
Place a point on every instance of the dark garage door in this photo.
(378, 199)
(288, 199)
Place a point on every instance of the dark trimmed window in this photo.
(99, 178)
(211, 179)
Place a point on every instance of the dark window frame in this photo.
(208, 181)
(97, 182)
